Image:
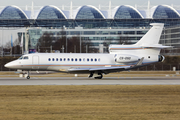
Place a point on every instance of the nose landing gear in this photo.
(26, 75)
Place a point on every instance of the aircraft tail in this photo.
(150, 40)
(152, 37)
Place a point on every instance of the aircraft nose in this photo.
(8, 65)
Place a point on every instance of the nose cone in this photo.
(8, 65)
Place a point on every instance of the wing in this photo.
(106, 70)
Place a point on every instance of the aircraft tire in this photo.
(28, 77)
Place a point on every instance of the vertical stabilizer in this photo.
(152, 37)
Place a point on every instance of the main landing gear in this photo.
(100, 76)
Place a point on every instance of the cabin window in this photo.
(72, 59)
(148, 56)
(26, 57)
(49, 59)
(95, 59)
(91, 59)
(64, 59)
(75, 59)
(20, 58)
(56, 59)
(68, 59)
(88, 59)
(83, 59)
(99, 60)
(53, 59)
(79, 59)
(60, 59)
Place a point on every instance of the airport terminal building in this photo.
(99, 26)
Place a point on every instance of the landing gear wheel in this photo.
(28, 77)
(99, 77)
(91, 74)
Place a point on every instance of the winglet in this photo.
(139, 62)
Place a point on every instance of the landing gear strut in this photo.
(91, 74)
(28, 77)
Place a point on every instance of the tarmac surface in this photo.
(90, 81)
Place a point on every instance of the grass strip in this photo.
(97, 102)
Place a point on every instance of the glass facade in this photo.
(164, 12)
(11, 12)
(34, 35)
(125, 12)
(89, 23)
(49, 12)
(87, 12)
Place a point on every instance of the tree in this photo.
(16, 49)
(45, 42)
(60, 43)
(124, 40)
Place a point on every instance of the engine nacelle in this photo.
(122, 58)
(161, 58)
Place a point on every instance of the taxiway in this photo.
(87, 81)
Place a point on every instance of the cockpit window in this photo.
(26, 57)
(20, 58)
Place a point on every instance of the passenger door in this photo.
(35, 62)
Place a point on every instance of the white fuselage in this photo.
(64, 61)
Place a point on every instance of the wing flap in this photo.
(100, 69)
(78, 69)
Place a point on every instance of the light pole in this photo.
(2, 44)
(66, 42)
(80, 41)
(62, 48)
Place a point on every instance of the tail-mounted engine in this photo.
(122, 58)
(161, 58)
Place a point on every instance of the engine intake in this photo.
(161, 58)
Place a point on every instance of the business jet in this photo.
(120, 58)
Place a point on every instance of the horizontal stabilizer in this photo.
(156, 46)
